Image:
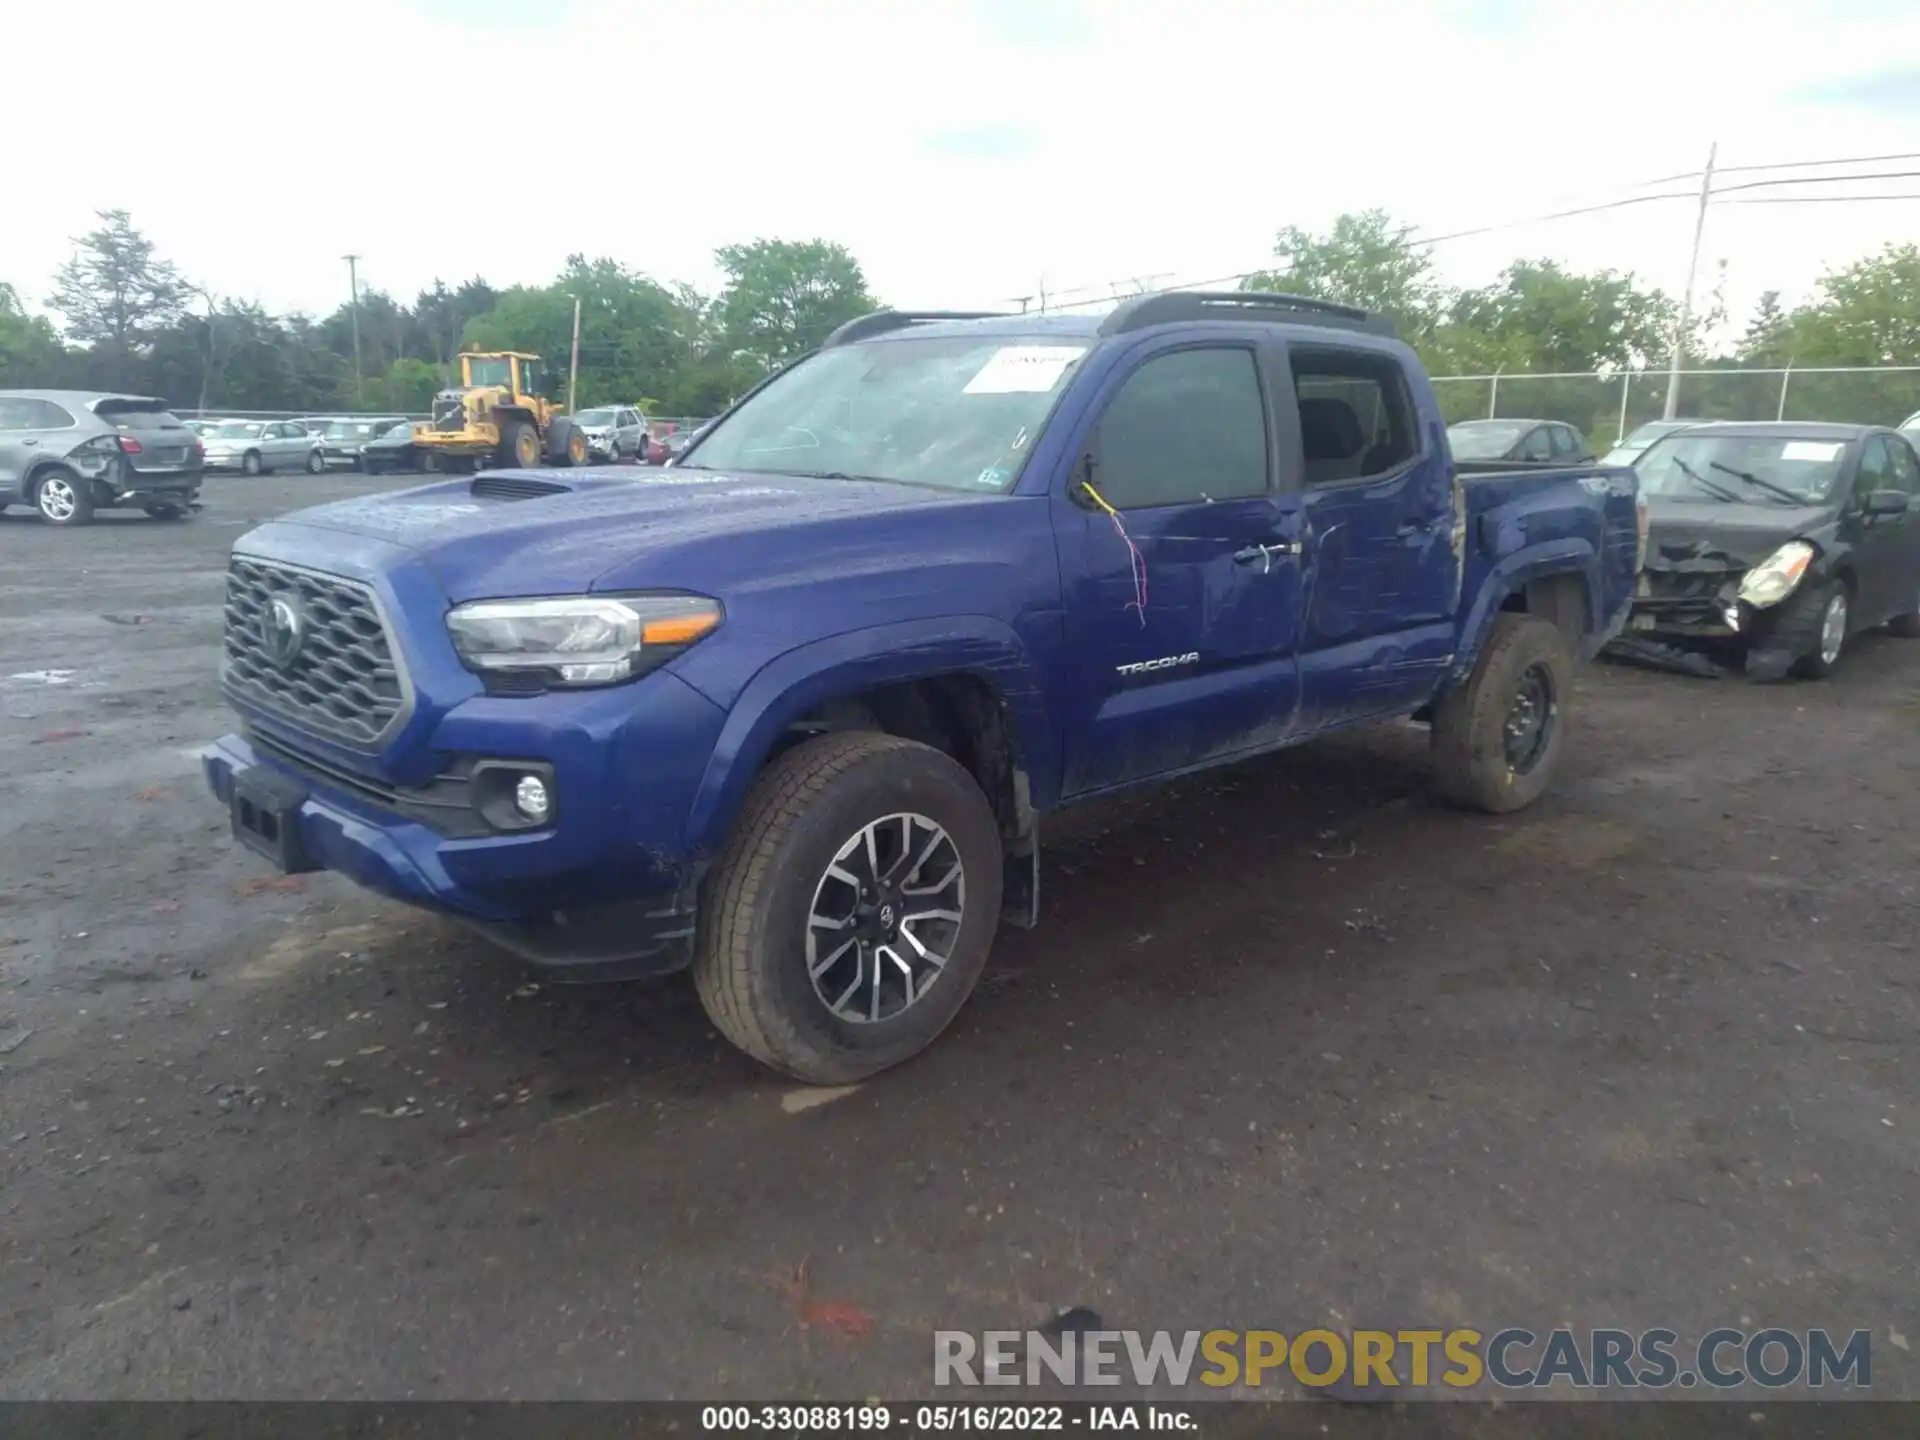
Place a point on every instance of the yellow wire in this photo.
(1099, 499)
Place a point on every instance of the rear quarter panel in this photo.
(1539, 523)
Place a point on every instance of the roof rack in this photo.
(1171, 305)
(881, 321)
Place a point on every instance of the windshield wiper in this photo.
(1767, 485)
(1718, 491)
(828, 475)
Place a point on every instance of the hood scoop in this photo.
(516, 487)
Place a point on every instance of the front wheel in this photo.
(250, 463)
(852, 910)
(1813, 629)
(1496, 739)
(316, 463)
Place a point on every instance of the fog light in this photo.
(531, 799)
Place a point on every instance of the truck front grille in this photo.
(335, 676)
(449, 414)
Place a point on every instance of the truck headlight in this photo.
(589, 640)
(1774, 578)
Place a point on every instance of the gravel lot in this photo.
(1293, 1046)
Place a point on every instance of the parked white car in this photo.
(254, 447)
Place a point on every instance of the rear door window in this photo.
(22, 414)
(1538, 445)
(1356, 414)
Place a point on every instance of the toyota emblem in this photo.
(283, 630)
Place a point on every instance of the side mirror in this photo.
(1887, 502)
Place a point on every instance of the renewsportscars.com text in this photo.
(1510, 1359)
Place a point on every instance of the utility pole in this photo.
(1686, 296)
(353, 287)
(573, 367)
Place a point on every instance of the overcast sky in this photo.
(964, 149)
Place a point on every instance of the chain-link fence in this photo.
(1604, 407)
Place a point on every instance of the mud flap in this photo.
(1020, 889)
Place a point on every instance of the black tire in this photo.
(167, 512)
(316, 463)
(427, 463)
(519, 445)
(250, 463)
(1801, 626)
(1473, 763)
(750, 958)
(565, 445)
(62, 497)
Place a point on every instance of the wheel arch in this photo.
(973, 697)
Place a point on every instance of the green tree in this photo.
(1365, 259)
(783, 297)
(30, 351)
(1861, 314)
(113, 291)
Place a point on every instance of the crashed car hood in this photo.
(1739, 536)
(668, 528)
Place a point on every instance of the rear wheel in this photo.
(316, 463)
(250, 463)
(1496, 739)
(62, 498)
(520, 445)
(853, 908)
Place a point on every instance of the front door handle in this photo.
(1262, 555)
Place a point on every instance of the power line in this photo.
(1822, 199)
(1814, 164)
(1818, 180)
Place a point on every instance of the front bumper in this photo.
(604, 892)
(1689, 603)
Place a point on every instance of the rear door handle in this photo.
(1263, 555)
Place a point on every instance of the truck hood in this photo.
(1685, 533)
(485, 537)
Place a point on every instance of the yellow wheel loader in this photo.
(502, 413)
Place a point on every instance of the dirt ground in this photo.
(1293, 1046)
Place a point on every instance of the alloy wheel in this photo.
(885, 918)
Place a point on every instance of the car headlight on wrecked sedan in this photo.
(1774, 578)
(581, 642)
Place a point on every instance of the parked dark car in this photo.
(680, 441)
(1640, 439)
(68, 453)
(1781, 539)
(394, 451)
(1546, 442)
(346, 437)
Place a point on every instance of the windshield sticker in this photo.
(1024, 369)
(994, 475)
(1818, 450)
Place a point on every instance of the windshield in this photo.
(594, 417)
(1483, 440)
(352, 430)
(1743, 469)
(490, 370)
(956, 413)
(238, 430)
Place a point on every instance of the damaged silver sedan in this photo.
(1771, 545)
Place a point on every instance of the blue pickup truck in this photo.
(789, 712)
